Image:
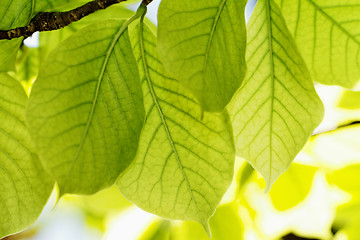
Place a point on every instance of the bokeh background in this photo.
(317, 198)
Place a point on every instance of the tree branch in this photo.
(48, 21)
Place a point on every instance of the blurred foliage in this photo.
(350, 100)
(99, 206)
(224, 224)
(336, 152)
(296, 183)
(348, 215)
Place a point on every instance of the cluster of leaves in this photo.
(162, 111)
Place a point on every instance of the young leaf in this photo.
(185, 159)
(277, 108)
(327, 34)
(202, 43)
(85, 110)
(24, 185)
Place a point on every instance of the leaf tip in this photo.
(268, 186)
(206, 227)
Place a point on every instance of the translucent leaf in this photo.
(13, 13)
(202, 43)
(24, 185)
(27, 65)
(57, 5)
(277, 108)
(85, 110)
(49, 40)
(17, 13)
(327, 33)
(244, 176)
(185, 159)
(8, 52)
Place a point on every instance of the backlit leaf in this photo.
(327, 33)
(185, 159)
(17, 13)
(24, 185)
(277, 108)
(49, 40)
(202, 43)
(13, 13)
(85, 110)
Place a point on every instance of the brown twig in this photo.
(48, 21)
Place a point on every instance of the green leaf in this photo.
(244, 176)
(13, 13)
(85, 110)
(277, 108)
(58, 5)
(27, 64)
(8, 52)
(17, 13)
(202, 44)
(296, 183)
(49, 40)
(24, 185)
(185, 159)
(327, 34)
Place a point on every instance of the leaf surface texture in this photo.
(277, 108)
(202, 43)
(327, 33)
(86, 109)
(185, 160)
(24, 185)
(18, 13)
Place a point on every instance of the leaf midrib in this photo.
(32, 8)
(268, 9)
(164, 123)
(96, 95)
(211, 37)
